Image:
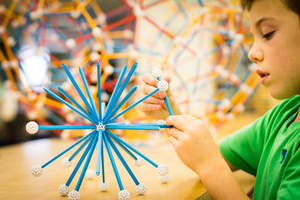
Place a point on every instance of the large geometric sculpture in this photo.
(102, 121)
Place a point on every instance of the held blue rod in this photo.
(136, 103)
(125, 149)
(88, 92)
(64, 127)
(113, 163)
(102, 146)
(120, 91)
(107, 117)
(167, 102)
(67, 104)
(76, 104)
(78, 89)
(114, 96)
(131, 148)
(99, 155)
(123, 161)
(81, 159)
(80, 148)
(87, 162)
(99, 90)
(66, 150)
(133, 127)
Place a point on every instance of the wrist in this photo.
(211, 167)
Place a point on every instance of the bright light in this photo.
(34, 68)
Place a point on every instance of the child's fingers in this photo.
(154, 100)
(178, 121)
(146, 89)
(148, 106)
(150, 79)
(175, 132)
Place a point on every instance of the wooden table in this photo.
(17, 182)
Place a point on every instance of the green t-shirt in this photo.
(268, 149)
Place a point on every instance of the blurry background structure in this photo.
(201, 44)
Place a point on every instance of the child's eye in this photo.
(268, 36)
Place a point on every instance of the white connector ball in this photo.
(11, 41)
(124, 195)
(95, 56)
(97, 32)
(74, 195)
(108, 69)
(75, 14)
(2, 9)
(103, 186)
(161, 121)
(163, 85)
(64, 190)
(162, 170)
(32, 127)
(127, 33)
(139, 162)
(90, 174)
(2, 29)
(141, 189)
(34, 15)
(101, 18)
(36, 170)
(66, 163)
(71, 43)
(164, 179)
(157, 73)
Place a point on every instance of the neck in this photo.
(297, 119)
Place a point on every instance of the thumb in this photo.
(168, 92)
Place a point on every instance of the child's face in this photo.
(276, 50)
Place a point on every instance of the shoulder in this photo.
(284, 109)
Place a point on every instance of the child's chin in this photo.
(279, 95)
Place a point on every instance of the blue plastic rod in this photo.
(78, 89)
(120, 91)
(131, 148)
(136, 103)
(114, 96)
(64, 127)
(76, 104)
(107, 117)
(81, 159)
(133, 127)
(125, 149)
(87, 162)
(99, 90)
(99, 155)
(66, 150)
(123, 161)
(167, 102)
(67, 104)
(113, 163)
(102, 156)
(88, 92)
(80, 148)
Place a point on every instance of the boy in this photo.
(268, 148)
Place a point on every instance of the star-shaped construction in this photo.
(102, 121)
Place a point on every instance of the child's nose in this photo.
(255, 54)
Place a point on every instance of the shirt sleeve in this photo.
(244, 148)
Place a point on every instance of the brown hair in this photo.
(293, 5)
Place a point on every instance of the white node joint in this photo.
(157, 73)
(163, 85)
(100, 126)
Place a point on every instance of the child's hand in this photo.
(154, 106)
(193, 142)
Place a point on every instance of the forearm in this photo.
(220, 182)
